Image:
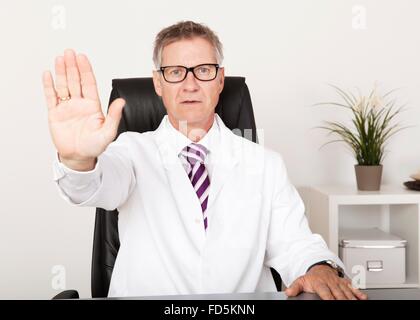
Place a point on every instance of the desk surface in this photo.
(373, 294)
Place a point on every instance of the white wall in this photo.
(288, 51)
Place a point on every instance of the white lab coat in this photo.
(255, 217)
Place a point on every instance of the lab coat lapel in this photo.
(185, 198)
(225, 160)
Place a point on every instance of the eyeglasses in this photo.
(202, 72)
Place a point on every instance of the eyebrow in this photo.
(181, 65)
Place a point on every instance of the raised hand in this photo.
(78, 127)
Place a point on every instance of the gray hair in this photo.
(185, 30)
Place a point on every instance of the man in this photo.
(201, 210)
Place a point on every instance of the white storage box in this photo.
(380, 255)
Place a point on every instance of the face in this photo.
(205, 94)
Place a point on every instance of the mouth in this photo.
(190, 102)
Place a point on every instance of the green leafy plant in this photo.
(371, 118)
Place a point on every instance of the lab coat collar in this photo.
(219, 140)
(225, 157)
(210, 141)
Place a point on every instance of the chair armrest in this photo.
(68, 294)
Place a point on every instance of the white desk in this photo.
(373, 294)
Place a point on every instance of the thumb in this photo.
(294, 289)
(113, 117)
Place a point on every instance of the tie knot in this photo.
(194, 152)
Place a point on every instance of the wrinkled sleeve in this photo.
(291, 246)
(107, 186)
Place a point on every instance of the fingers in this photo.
(294, 289)
(61, 78)
(338, 292)
(74, 76)
(324, 292)
(72, 73)
(359, 294)
(49, 91)
(88, 81)
(347, 292)
(343, 291)
(113, 118)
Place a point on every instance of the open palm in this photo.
(78, 127)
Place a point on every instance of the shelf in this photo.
(393, 286)
(387, 195)
(393, 209)
(411, 282)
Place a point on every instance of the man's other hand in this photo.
(325, 282)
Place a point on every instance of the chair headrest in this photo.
(144, 109)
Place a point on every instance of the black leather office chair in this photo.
(143, 112)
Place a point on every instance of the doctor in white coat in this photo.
(201, 210)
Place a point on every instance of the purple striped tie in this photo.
(194, 154)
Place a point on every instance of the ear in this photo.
(222, 79)
(157, 84)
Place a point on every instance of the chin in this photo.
(194, 116)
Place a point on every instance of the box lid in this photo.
(369, 238)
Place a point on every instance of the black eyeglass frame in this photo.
(191, 69)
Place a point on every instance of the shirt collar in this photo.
(179, 141)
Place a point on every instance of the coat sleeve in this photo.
(107, 186)
(291, 246)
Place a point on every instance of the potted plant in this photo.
(371, 118)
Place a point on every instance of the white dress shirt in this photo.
(210, 141)
(256, 217)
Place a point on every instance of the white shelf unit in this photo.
(392, 209)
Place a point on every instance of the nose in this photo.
(190, 83)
